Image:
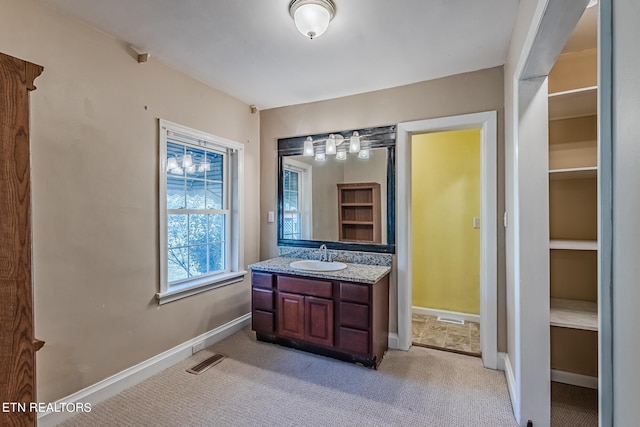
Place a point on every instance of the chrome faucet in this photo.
(324, 256)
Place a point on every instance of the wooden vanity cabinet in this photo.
(262, 302)
(345, 320)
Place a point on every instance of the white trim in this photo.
(502, 361)
(305, 192)
(487, 122)
(115, 384)
(512, 386)
(572, 378)
(233, 194)
(468, 317)
(393, 341)
(193, 287)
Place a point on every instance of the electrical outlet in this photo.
(476, 222)
(271, 216)
(197, 347)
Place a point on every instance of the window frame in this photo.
(305, 194)
(233, 191)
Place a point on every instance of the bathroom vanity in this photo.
(342, 314)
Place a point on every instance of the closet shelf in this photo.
(574, 314)
(356, 204)
(358, 222)
(574, 173)
(576, 245)
(573, 103)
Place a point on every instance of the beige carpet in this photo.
(267, 385)
(573, 406)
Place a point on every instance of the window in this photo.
(297, 195)
(200, 194)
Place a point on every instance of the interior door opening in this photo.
(445, 175)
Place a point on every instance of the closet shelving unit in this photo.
(573, 246)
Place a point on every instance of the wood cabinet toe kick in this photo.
(344, 320)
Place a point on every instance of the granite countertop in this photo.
(362, 273)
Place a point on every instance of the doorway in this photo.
(487, 123)
(445, 196)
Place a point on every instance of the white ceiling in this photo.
(250, 49)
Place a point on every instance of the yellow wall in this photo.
(445, 199)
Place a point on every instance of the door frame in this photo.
(487, 123)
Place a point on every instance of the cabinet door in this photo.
(291, 315)
(319, 321)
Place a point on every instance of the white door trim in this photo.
(487, 122)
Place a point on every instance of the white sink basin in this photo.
(313, 265)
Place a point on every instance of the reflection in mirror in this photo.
(310, 191)
(317, 201)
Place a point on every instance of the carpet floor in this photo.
(261, 384)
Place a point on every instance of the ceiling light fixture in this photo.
(312, 16)
(336, 145)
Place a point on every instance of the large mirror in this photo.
(342, 197)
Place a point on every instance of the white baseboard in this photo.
(511, 385)
(113, 385)
(450, 314)
(500, 361)
(574, 379)
(394, 341)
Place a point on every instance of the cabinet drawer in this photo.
(262, 299)
(354, 315)
(262, 280)
(312, 287)
(353, 292)
(353, 340)
(262, 321)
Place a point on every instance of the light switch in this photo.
(271, 217)
(476, 222)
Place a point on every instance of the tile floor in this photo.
(428, 331)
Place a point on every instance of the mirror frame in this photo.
(378, 137)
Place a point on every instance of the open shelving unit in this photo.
(359, 212)
(573, 245)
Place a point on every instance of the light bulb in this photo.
(341, 155)
(308, 147)
(363, 154)
(354, 142)
(320, 157)
(331, 145)
(187, 160)
(191, 169)
(311, 19)
(172, 163)
(204, 166)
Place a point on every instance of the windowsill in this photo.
(192, 288)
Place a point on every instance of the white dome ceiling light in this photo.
(312, 17)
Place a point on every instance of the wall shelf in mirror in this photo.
(314, 205)
(359, 212)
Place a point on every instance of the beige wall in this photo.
(95, 198)
(460, 94)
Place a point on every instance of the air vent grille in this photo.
(206, 364)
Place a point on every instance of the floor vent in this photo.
(450, 320)
(208, 363)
